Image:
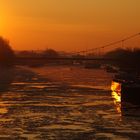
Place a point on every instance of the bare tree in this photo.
(6, 52)
(50, 53)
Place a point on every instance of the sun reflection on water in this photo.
(3, 108)
(116, 94)
(116, 86)
(117, 101)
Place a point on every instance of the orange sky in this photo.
(69, 25)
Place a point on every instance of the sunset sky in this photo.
(68, 25)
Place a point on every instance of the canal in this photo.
(62, 103)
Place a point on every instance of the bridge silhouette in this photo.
(121, 42)
(77, 55)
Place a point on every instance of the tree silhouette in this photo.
(128, 58)
(6, 52)
(50, 53)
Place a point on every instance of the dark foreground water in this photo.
(62, 103)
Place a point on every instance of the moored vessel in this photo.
(127, 87)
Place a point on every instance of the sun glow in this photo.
(1, 23)
(67, 25)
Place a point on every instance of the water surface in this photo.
(62, 103)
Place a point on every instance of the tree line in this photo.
(127, 58)
(6, 53)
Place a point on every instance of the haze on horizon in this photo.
(68, 25)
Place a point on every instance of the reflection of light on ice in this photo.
(115, 86)
(117, 101)
(3, 110)
(116, 94)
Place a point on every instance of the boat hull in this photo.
(128, 92)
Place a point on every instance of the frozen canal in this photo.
(61, 103)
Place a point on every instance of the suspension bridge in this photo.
(112, 45)
(82, 54)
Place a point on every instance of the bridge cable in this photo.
(110, 44)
